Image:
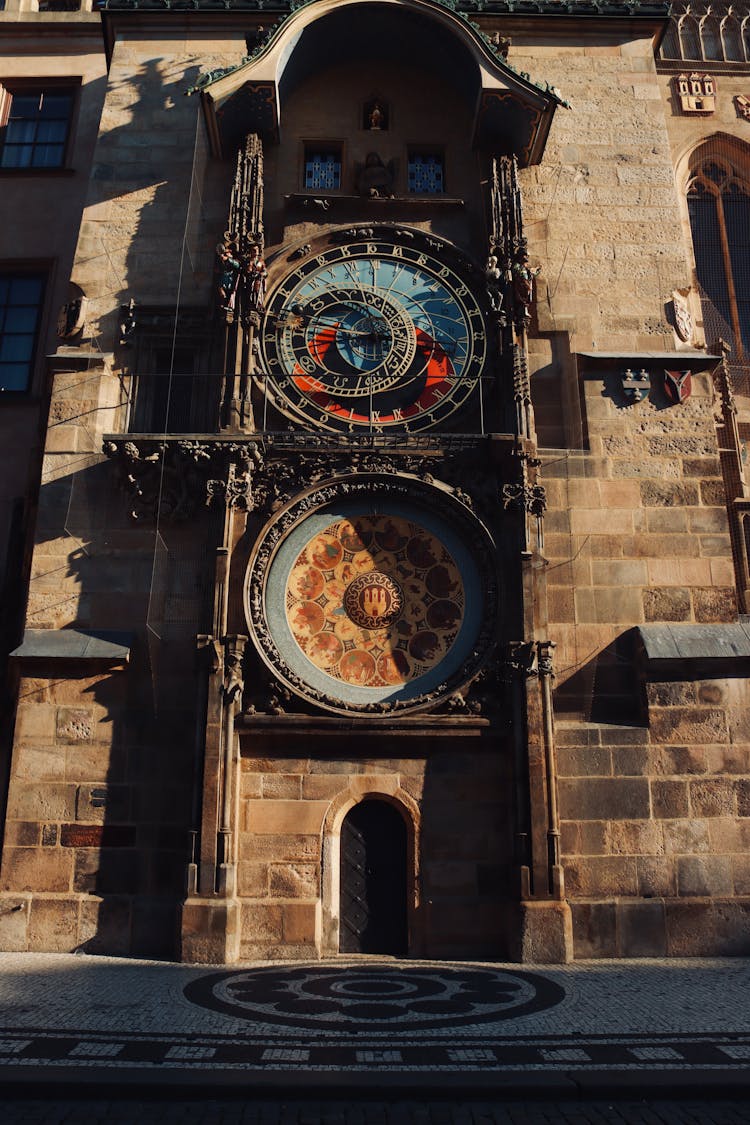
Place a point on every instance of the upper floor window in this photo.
(425, 174)
(698, 30)
(322, 168)
(719, 208)
(20, 306)
(34, 126)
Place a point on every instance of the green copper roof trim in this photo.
(293, 6)
(593, 8)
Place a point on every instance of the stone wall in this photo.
(637, 529)
(456, 799)
(96, 836)
(656, 825)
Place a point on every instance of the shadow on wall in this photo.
(607, 689)
(113, 792)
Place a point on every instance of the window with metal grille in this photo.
(719, 209)
(20, 306)
(35, 125)
(323, 169)
(425, 174)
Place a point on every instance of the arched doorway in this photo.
(373, 880)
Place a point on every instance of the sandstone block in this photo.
(252, 879)
(604, 799)
(668, 494)
(53, 925)
(670, 694)
(670, 603)
(279, 786)
(584, 762)
(657, 877)
(641, 929)
(713, 797)
(300, 922)
(669, 799)
(316, 787)
(699, 928)
(594, 929)
(689, 724)
(714, 604)
(39, 763)
(36, 869)
(251, 785)
(22, 833)
(686, 837)
(294, 880)
(666, 521)
(52, 801)
(630, 761)
(104, 926)
(261, 922)
(638, 837)
(680, 760)
(743, 797)
(583, 837)
(284, 817)
(704, 875)
(601, 876)
(269, 848)
(741, 874)
(35, 724)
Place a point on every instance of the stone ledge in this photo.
(72, 644)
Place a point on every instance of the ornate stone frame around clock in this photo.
(405, 486)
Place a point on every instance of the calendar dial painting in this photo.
(366, 603)
(375, 601)
(373, 335)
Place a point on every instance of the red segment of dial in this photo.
(438, 366)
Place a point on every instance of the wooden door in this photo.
(373, 880)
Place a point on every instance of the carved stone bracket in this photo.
(172, 479)
(520, 660)
(527, 497)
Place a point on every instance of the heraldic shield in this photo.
(677, 385)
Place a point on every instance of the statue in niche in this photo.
(494, 277)
(375, 116)
(523, 281)
(255, 275)
(228, 271)
(374, 178)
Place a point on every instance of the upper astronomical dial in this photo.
(373, 335)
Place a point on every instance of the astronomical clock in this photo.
(374, 591)
(374, 334)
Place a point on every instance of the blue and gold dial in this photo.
(373, 335)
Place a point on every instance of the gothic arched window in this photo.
(731, 39)
(719, 208)
(670, 48)
(689, 39)
(710, 39)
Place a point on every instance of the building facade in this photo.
(389, 573)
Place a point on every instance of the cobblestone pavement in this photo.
(218, 1112)
(422, 1028)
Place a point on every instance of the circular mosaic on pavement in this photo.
(374, 998)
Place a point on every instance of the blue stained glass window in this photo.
(20, 304)
(425, 173)
(36, 129)
(322, 169)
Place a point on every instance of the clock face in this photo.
(373, 335)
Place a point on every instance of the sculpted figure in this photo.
(374, 178)
(228, 269)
